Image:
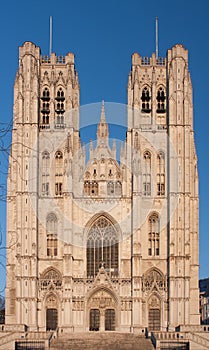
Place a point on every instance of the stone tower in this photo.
(103, 244)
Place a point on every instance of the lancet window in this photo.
(161, 100)
(58, 173)
(147, 174)
(102, 247)
(160, 174)
(45, 173)
(51, 228)
(45, 108)
(146, 100)
(60, 108)
(154, 235)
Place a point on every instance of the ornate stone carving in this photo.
(51, 279)
(153, 279)
(101, 300)
(78, 305)
(154, 302)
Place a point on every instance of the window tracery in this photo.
(58, 173)
(60, 108)
(45, 109)
(45, 173)
(160, 174)
(154, 236)
(51, 277)
(102, 247)
(146, 100)
(147, 174)
(151, 279)
(52, 242)
(161, 100)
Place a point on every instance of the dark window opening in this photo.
(146, 100)
(161, 100)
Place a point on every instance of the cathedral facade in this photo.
(105, 243)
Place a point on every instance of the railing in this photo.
(196, 338)
(53, 335)
(145, 61)
(160, 61)
(60, 59)
(30, 345)
(59, 125)
(46, 59)
(7, 338)
(44, 126)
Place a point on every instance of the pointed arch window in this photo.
(161, 100)
(160, 174)
(147, 174)
(51, 227)
(58, 173)
(146, 100)
(154, 235)
(102, 247)
(45, 108)
(45, 173)
(60, 108)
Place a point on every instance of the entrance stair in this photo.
(101, 341)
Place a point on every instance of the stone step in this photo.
(101, 341)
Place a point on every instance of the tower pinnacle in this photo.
(102, 130)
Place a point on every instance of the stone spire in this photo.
(102, 130)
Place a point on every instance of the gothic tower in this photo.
(165, 188)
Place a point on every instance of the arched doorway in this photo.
(102, 311)
(154, 314)
(51, 312)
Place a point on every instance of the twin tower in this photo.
(102, 244)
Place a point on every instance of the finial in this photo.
(103, 118)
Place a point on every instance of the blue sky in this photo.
(103, 35)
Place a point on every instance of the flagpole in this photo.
(50, 36)
(156, 32)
